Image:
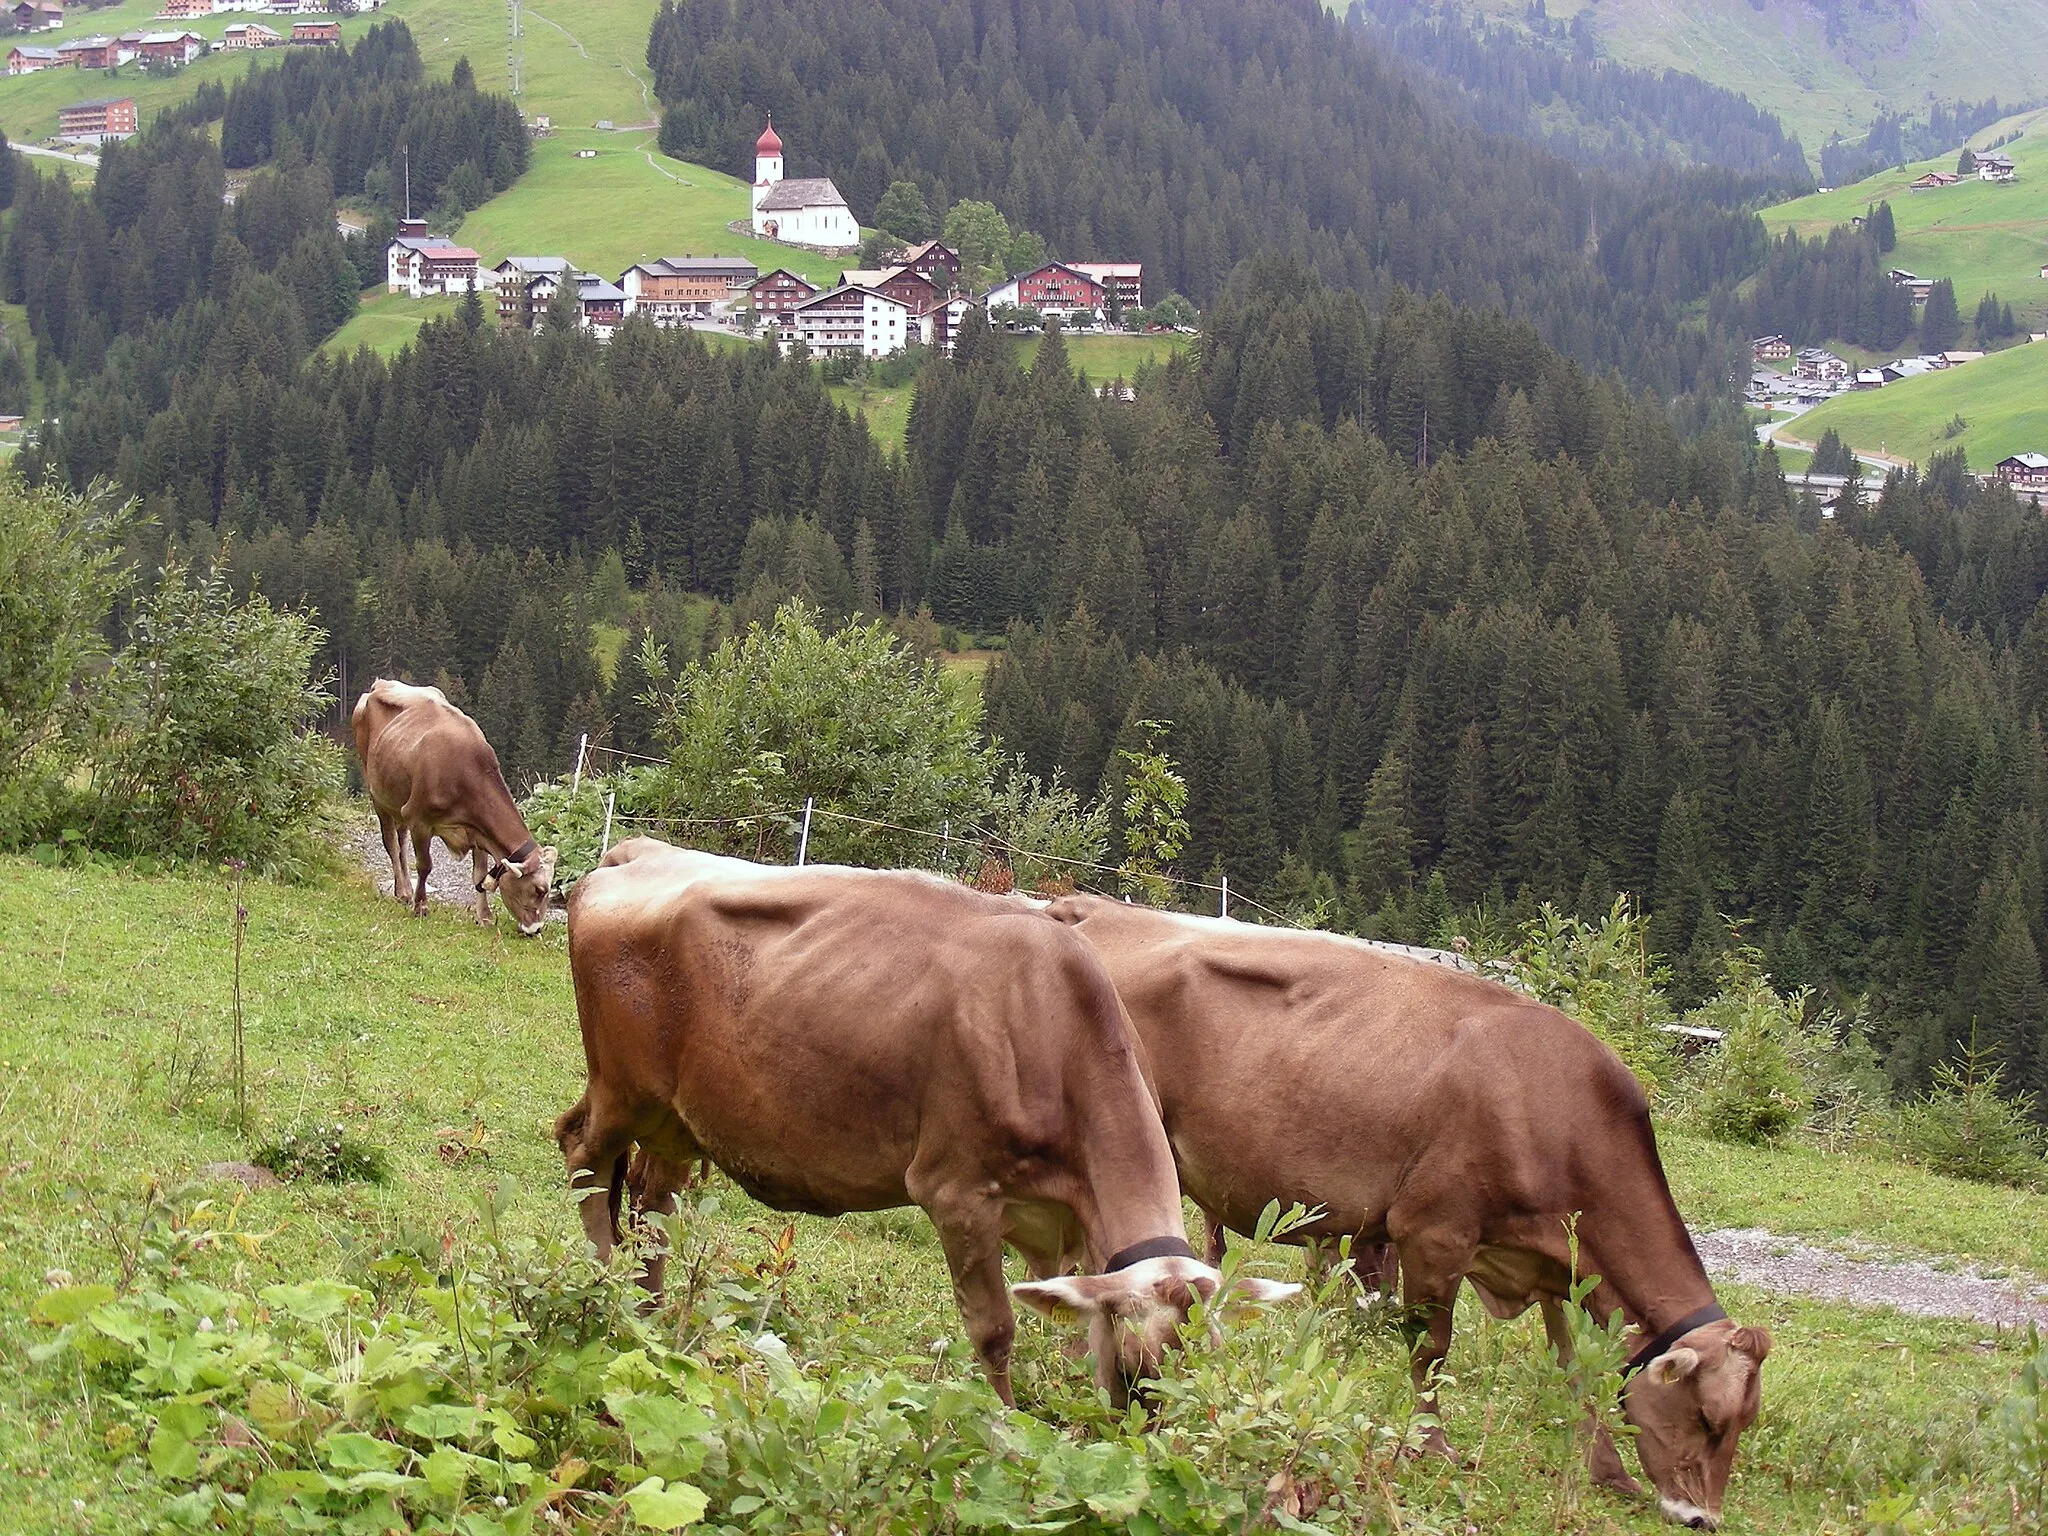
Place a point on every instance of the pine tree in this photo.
(1885, 228)
(1941, 326)
(1469, 854)
(1383, 848)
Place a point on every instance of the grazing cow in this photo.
(854, 1040)
(430, 773)
(1455, 1119)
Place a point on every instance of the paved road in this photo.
(81, 158)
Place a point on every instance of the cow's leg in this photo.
(652, 1185)
(1433, 1264)
(480, 865)
(594, 1145)
(1602, 1459)
(970, 1229)
(422, 842)
(394, 850)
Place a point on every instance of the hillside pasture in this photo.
(1110, 356)
(1982, 236)
(387, 322)
(450, 1049)
(2002, 398)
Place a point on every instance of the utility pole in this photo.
(406, 151)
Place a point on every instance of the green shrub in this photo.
(1751, 1089)
(325, 1153)
(1602, 975)
(1966, 1127)
(203, 744)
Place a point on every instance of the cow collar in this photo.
(1710, 1313)
(516, 856)
(1150, 1248)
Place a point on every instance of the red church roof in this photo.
(768, 143)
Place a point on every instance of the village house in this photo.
(1820, 365)
(601, 305)
(1870, 378)
(2024, 471)
(852, 322)
(1769, 349)
(775, 296)
(806, 211)
(1919, 287)
(290, 7)
(37, 16)
(934, 315)
(1993, 165)
(1933, 180)
(1126, 279)
(249, 34)
(97, 121)
(937, 264)
(315, 34)
(95, 53)
(25, 60)
(671, 289)
(185, 10)
(526, 285)
(170, 47)
(1053, 289)
(420, 265)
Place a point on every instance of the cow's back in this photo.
(1309, 1067)
(417, 749)
(817, 1031)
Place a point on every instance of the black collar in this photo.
(1710, 1313)
(519, 854)
(1150, 1248)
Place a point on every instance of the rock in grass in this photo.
(241, 1173)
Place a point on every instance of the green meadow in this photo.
(2002, 400)
(1985, 237)
(1104, 358)
(387, 322)
(449, 1049)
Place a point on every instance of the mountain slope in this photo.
(1825, 66)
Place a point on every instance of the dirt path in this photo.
(448, 881)
(1791, 1267)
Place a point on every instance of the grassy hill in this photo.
(2003, 399)
(1780, 53)
(450, 1050)
(1981, 235)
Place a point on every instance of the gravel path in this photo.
(1749, 1255)
(449, 881)
(1770, 1262)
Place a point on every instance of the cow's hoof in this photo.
(1434, 1444)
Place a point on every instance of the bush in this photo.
(1602, 975)
(326, 1153)
(1751, 1088)
(1965, 1127)
(58, 577)
(204, 747)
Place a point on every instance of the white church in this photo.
(806, 211)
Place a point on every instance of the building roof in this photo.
(1108, 268)
(922, 249)
(845, 288)
(171, 37)
(79, 44)
(430, 243)
(769, 143)
(804, 192)
(447, 250)
(28, 52)
(2025, 460)
(98, 103)
(695, 266)
(589, 286)
(536, 266)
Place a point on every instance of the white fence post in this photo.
(582, 746)
(803, 838)
(1226, 897)
(610, 797)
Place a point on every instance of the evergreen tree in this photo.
(1383, 849)
(1941, 327)
(1884, 228)
(902, 212)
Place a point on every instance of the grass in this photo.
(387, 322)
(1983, 236)
(1778, 53)
(2003, 398)
(419, 1035)
(1108, 357)
(629, 202)
(887, 410)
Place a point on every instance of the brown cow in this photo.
(1453, 1118)
(430, 773)
(854, 1040)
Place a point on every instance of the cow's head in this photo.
(524, 886)
(1134, 1314)
(1689, 1405)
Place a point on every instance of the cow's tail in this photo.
(615, 1197)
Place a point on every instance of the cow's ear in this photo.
(1673, 1366)
(1753, 1342)
(1254, 1292)
(1066, 1297)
